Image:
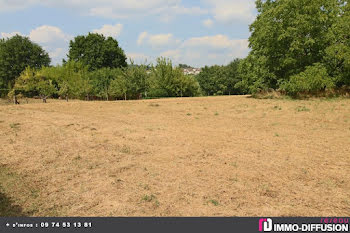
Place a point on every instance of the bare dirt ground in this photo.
(211, 156)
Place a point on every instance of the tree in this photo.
(71, 79)
(16, 54)
(36, 82)
(288, 36)
(166, 81)
(313, 80)
(337, 56)
(213, 80)
(119, 87)
(232, 71)
(96, 51)
(101, 80)
(138, 80)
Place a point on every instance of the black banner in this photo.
(164, 225)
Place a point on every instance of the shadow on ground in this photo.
(8, 208)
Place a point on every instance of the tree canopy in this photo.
(97, 51)
(288, 37)
(16, 54)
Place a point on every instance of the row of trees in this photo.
(298, 47)
(75, 80)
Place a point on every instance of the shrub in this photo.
(312, 81)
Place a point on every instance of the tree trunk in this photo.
(124, 96)
(44, 99)
(67, 98)
(15, 100)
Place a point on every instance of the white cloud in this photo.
(208, 23)
(114, 9)
(229, 11)
(175, 55)
(110, 30)
(8, 5)
(142, 37)
(48, 34)
(157, 40)
(215, 42)
(9, 35)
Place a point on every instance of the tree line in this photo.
(297, 47)
(96, 68)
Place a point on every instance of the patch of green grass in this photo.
(277, 135)
(303, 109)
(214, 202)
(216, 114)
(151, 198)
(277, 107)
(189, 114)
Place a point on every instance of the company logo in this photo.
(265, 224)
(326, 225)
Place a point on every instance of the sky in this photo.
(197, 33)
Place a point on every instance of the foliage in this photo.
(101, 81)
(313, 80)
(299, 46)
(220, 80)
(166, 81)
(38, 83)
(16, 54)
(184, 66)
(337, 55)
(96, 51)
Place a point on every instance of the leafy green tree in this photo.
(101, 80)
(213, 80)
(16, 54)
(35, 82)
(288, 36)
(97, 52)
(138, 81)
(233, 77)
(71, 79)
(337, 56)
(119, 87)
(166, 81)
(312, 81)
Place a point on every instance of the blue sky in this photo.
(198, 33)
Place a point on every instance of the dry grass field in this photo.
(211, 156)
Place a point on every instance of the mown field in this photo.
(211, 156)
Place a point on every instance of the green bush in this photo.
(312, 81)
